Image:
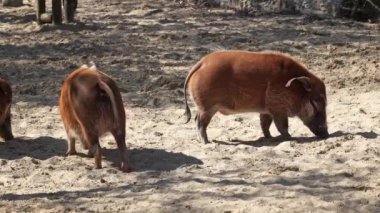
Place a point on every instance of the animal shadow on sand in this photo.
(73, 27)
(277, 140)
(41, 148)
(11, 19)
(141, 159)
(144, 159)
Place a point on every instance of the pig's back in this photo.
(234, 80)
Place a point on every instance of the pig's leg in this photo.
(281, 122)
(70, 141)
(203, 119)
(85, 143)
(71, 145)
(265, 122)
(120, 140)
(6, 128)
(95, 150)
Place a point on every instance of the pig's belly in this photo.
(242, 101)
(239, 110)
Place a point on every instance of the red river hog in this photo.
(5, 110)
(270, 83)
(91, 105)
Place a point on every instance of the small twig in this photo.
(356, 5)
(373, 5)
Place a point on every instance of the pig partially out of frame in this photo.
(5, 110)
(270, 83)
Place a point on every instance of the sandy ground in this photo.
(148, 48)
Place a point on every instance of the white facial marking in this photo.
(309, 110)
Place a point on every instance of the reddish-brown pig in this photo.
(5, 110)
(270, 83)
(91, 105)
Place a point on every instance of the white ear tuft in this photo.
(304, 80)
(289, 82)
(93, 66)
(84, 66)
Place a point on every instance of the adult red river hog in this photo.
(91, 105)
(5, 110)
(270, 83)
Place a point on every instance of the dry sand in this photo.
(148, 48)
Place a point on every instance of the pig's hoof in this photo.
(90, 154)
(9, 138)
(268, 136)
(98, 166)
(205, 141)
(71, 152)
(125, 168)
(285, 137)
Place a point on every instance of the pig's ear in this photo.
(305, 81)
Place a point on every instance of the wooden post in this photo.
(69, 8)
(57, 11)
(40, 8)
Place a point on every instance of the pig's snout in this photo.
(320, 131)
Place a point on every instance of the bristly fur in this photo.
(270, 83)
(192, 71)
(91, 105)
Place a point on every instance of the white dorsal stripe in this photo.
(84, 66)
